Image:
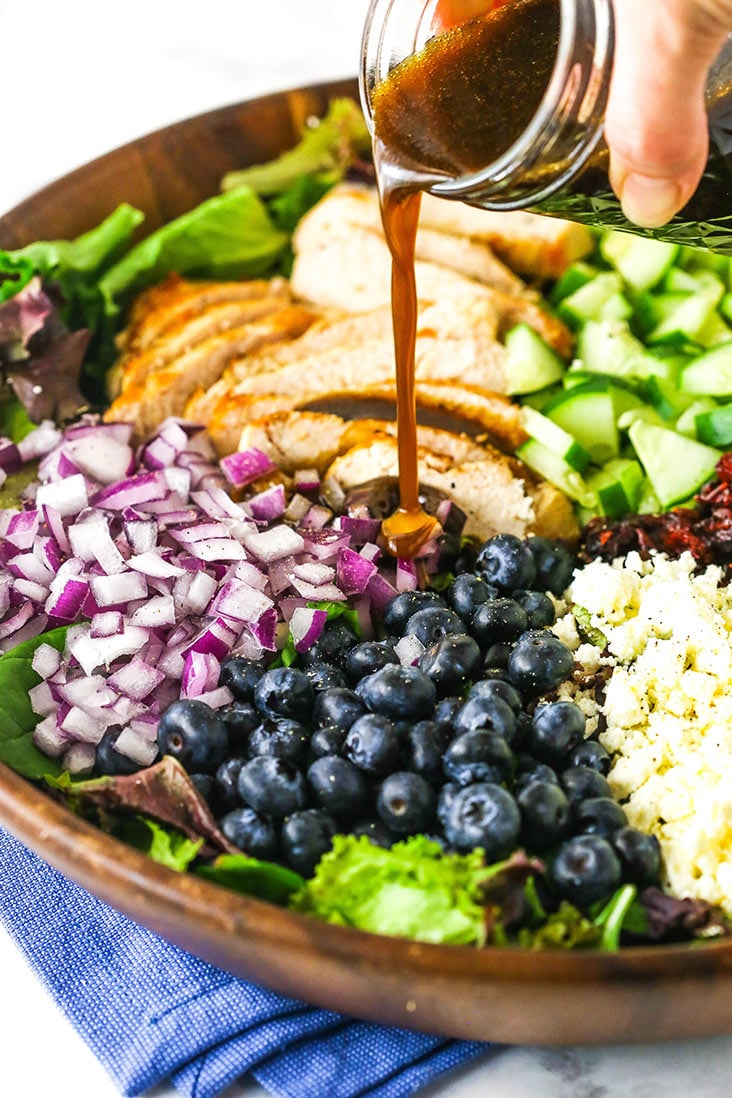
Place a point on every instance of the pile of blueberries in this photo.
(463, 746)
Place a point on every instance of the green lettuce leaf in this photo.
(252, 877)
(325, 151)
(17, 719)
(228, 236)
(412, 890)
(566, 928)
(164, 845)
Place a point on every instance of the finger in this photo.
(453, 13)
(656, 124)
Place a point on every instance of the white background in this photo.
(79, 79)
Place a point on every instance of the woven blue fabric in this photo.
(150, 1011)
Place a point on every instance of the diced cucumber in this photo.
(540, 399)
(686, 423)
(725, 307)
(666, 398)
(676, 466)
(618, 487)
(652, 309)
(587, 412)
(715, 427)
(641, 261)
(710, 374)
(554, 469)
(678, 280)
(714, 331)
(531, 364)
(648, 502)
(577, 275)
(701, 259)
(641, 413)
(589, 301)
(684, 322)
(609, 347)
(555, 438)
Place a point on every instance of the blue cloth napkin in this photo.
(150, 1011)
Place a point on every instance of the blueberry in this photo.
(593, 754)
(640, 856)
(253, 833)
(324, 676)
(497, 656)
(498, 620)
(306, 837)
(446, 711)
(586, 870)
(327, 741)
(373, 745)
(496, 688)
(582, 782)
(466, 593)
(554, 565)
(451, 663)
(430, 625)
(507, 563)
(479, 756)
(227, 782)
(338, 706)
(556, 729)
(545, 813)
(282, 738)
(446, 796)
(272, 786)
(483, 815)
(599, 816)
(110, 762)
(240, 718)
(285, 692)
(529, 769)
(332, 646)
(491, 713)
(241, 676)
(406, 803)
(194, 734)
(368, 657)
(538, 607)
(401, 693)
(205, 787)
(401, 608)
(539, 662)
(424, 746)
(377, 832)
(338, 787)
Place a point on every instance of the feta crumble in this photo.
(667, 708)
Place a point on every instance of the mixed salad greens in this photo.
(61, 304)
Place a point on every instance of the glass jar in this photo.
(558, 163)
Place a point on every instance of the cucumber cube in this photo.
(590, 300)
(686, 423)
(641, 261)
(554, 469)
(588, 414)
(676, 466)
(715, 427)
(710, 374)
(555, 438)
(618, 487)
(531, 364)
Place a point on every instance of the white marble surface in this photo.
(78, 79)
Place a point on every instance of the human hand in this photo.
(656, 123)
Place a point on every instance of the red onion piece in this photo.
(269, 505)
(136, 680)
(306, 626)
(69, 496)
(354, 572)
(246, 466)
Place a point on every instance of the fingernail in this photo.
(649, 202)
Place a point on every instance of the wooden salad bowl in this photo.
(505, 995)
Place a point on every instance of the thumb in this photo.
(656, 123)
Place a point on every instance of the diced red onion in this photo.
(296, 509)
(106, 624)
(317, 517)
(91, 654)
(354, 572)
(49, 738)
(118, 590)
(66, 601)
(152, 564)
(409, 649)
(82, 726)
(362, 531)
(269, 505)
(306, 480)
(381, 592)
(371, 552)
(249, 573)
(324, 592)
(280, 575)
(39, 442)
(80, 759)
(289, 605)
(53, 520)
(22, 529)
(218, 549)
(200, 674)
(246, 466)
(264, 630)
(306, 625)
(324, 544)
(136, 679)
(312, 572)
(133, 491)
(69, 496)
(100, 457)
(30, 590)
(269, 545)
(406, 575)
(46, 660)
(218, 698)
(42, 700)
(237, 601)
(216, 638)
(155, 613)
(10, 459)
(133, 746)
(142, 534)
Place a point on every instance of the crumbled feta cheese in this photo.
(668, 709)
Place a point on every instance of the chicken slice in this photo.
(166, 392)
(159, 308)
